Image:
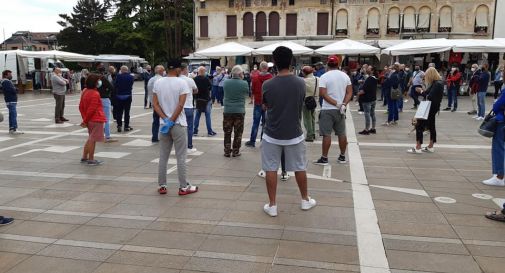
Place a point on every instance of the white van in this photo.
(20, 66)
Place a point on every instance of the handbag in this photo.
(396, 94)
(488, 126)
(423, 110)
(310, 102)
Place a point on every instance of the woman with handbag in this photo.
(368, 96)
(309, 119)
(434, 93)
(497, 146)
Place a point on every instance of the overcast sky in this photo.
(32, 15)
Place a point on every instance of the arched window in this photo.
(394, 21)
(481, 19)
(445, 19)
(409, 19)
(248, 24)
(273, 24)
(261, 24)
(424, 20)
(341, 22)
(373, 22)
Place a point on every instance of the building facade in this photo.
(318, 22)
(32, 41)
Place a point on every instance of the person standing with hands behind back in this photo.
(168, 101)
(11, 100)
(59, 91)
(93, 118)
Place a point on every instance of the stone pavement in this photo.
(385, 211)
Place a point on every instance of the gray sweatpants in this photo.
(176, 137)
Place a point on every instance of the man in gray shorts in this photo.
(336, 90)
(283, 98)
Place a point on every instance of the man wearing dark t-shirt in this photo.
(283, 98)
(203, 102)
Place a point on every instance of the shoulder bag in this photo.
(488, 126)
(310, 102)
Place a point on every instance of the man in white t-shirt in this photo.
(168, 100)
(335, 88)
(188, 106)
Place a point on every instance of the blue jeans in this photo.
(258, 115)
(384, 95)
(220, 95)
(156, 127)
(481, 103)
(392, 110)
(452, 97)
(208, 120)
(13, 114)
(213, 95)
(498, 150)
(106, 110)
(189, 118)
(414, 95)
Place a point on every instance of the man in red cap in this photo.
(335, 88)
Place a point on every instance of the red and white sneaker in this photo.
(162, 190)
(189, 189)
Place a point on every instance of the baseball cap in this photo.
(173, 64)
(334, 59)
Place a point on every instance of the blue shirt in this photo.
(10, 92)
(484, 81)
(124, 84)
(499, 107)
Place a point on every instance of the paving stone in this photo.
(481, 233)
(148, 259)
(491, 264)
(40, 229)
(121, 268)
(21, 246)
(168, 239)
(37, 264)
(79, 253)
(318, 252)
(81, 206)
(240, 245)
(488, 251)
(9, 260)
(437, 262)
(224, 266)
(102, 234)
(430, 247)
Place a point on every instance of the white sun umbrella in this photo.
(348, 47)
(478, 45)
(421, 46)
(296, 48)
(225, 50)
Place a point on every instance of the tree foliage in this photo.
(154, 29)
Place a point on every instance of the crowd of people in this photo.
(281, 102)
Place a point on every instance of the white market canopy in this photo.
(225, 50)
(112, 58)
(421, 46)
(478, 45)
(296, 48)
(56, 54)
(347, 47)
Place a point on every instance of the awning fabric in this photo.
(347, 47)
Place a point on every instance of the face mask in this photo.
(473, 69)
(99, 84)
(453, 69)
(407, 69)
(255, 68)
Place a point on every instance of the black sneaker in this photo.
(5, 221)
(454, 110)
(195, 133)
(128, 129)
(119, 130)
(447, 109)
(341, 159)
(84, 160)
(323, 161)
(250, 144)
(94, 162)
(364, 132)
(372, 131)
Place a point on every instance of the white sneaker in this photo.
(192, 151)
(415, 151)
(479, 118)
(475, 117)
(428, 149)
(306, 205)
(270, 210)
(489, 180)
(15, 132)
(361, 112)
(262, 174)
(494, 181)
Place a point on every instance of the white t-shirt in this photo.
(191, 86)
(168, 90)
(335, 82)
